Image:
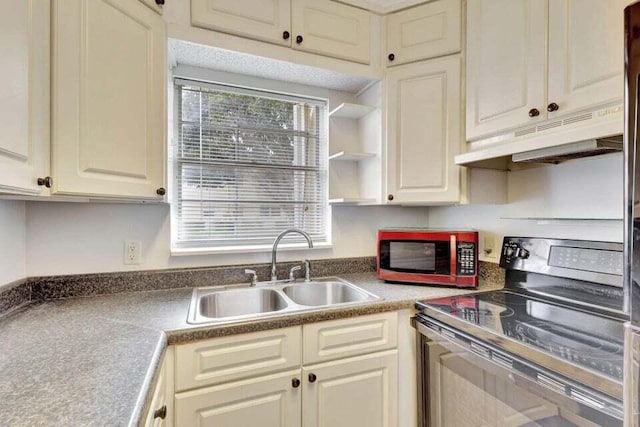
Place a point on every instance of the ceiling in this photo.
(186, 53)
(382, 6)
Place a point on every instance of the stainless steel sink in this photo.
(216, 305)
(325, 293)
(240, 302)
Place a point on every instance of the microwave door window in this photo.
(413, 256)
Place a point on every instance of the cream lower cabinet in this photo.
(109, 108)
(24, 95)
(262, 378)
(424, 132)
(161, 407)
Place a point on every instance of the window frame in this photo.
(172, 161)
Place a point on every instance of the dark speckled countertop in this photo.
(93, 360)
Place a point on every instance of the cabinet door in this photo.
(424, 132)
(154, 4)
(361, 391)
(265, 20)
(268, 401)
(425, 31)
(332, 29)
(109, 109)
(505, 64)
(24, 95)
(586, 58)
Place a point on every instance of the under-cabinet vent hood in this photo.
(571, 137)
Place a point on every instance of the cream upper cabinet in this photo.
(266, 20)
(586, 53)
(109, 107)
(333, 29)
(424, 132)
(154, 4)
(361, 391)
(24, 95)
(506, 66)
(422, 32)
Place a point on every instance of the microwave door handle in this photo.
(453, 254)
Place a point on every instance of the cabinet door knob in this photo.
(534, 112)
(160, 413)
(391, 57)
(312, 378)
(286, 35)
(46, 182)
(390, 197)
(160, 2)
(161, 191)
(553, 107)
(295, 383)
(299, 39)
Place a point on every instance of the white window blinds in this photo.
(247, 165)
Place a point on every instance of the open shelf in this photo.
(351, 156)
(352, 201)
(351, 111)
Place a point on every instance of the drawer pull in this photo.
(160, 413)
(312, 378)
(295, 383)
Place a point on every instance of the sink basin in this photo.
(240, 302)
(219, 305)
(325, 293)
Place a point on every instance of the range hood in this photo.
(554, 141)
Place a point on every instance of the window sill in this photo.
(248, 249)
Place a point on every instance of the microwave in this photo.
(428, 256)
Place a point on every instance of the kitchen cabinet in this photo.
(109, 107)
(586, 57)
(422, 32)
(161, 407)
(349, 392)
(155, 5)
(424, 132)
(321, 27)
(24, 98)
(506, 61)
(529, 61)
(266, 20)
(333, 29)
(347, 376)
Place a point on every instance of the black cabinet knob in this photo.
(534, 112)
(46, 182)
(299, 39)
(312, 378)
(161, 191)
(160, 413)
(286, 35)
(553, 107)
(295, 383)
(390, 197)
(391, 57)
(160, 2)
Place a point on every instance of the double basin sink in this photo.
(212, 305)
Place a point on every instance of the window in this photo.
(247, 164)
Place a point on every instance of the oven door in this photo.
(464, 383)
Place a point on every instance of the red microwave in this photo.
(429, 257)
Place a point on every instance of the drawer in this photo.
(336, 339)
(234, 357)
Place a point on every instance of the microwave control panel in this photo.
(466, 259)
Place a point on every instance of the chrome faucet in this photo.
(274, 276)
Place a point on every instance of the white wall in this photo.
(70, 238)
(547, 202)
(12, 241)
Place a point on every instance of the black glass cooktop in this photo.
(588, 340)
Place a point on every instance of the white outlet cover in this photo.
(132, 252)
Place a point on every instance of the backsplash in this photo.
(21, 292)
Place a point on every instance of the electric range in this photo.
(558, 324)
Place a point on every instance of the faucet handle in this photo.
(253, 274)
(292, 272)
(307, 270)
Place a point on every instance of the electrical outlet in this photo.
(132, 252)
(489, 246)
